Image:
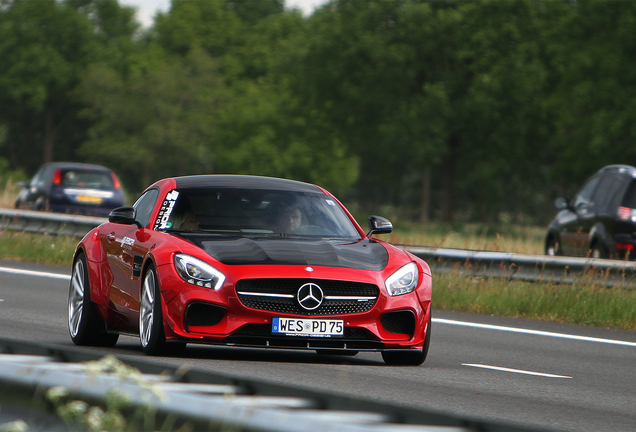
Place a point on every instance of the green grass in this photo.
(37, 248)
(589, 304)
(508, 238)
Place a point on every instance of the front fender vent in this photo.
(203, 314)
(402, 322)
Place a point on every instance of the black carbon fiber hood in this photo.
(363, 255)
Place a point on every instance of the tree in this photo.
(159, 120)
(262, 129)
(253, 11)
(593, 101)
(447, 93)
(44, 46)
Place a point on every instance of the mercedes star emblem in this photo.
(310, 296)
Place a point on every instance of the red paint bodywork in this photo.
(115, 287)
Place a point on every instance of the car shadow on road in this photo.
(210, 352)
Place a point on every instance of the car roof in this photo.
(244, 182)
(619, 169)
(76, 165)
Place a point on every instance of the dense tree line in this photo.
(444, 109)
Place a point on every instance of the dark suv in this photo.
(601, 220)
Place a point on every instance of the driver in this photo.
(183, 216)
(289, 219)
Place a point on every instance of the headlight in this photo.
(198, 272)
(403, 281)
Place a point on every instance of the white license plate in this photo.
(308, 327)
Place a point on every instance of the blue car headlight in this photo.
(403, 281)
(198, 272)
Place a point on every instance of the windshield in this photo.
(258, 213)
(87, 179)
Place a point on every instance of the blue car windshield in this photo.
(80, 178)
(258, 213)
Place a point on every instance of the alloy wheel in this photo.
(76, 299)
(146, 309)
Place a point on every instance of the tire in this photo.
(598, 251)
(85, 326)
(410, 357)
(552, 247)
(151, 332)
(41, 204)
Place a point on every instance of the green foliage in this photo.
(253, 11)
(9, 175)
(205, 24)
(157, 121)
(595, 89)
(464, 110)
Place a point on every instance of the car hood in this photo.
(363, 254)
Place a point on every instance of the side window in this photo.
(630, 196)
(584, 197)
(37, 179)
(604, 191)
(144, 206)
(613, 193)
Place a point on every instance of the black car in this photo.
(72, 188)
(601, 220)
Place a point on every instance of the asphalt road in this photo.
(522, 372)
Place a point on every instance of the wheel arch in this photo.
(99, 275)
(150, 260)
(598, 235)
(552, 234)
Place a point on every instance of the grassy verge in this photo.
(508, 238)
(586, 304)
(37, 248)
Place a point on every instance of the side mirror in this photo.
(562, 203)
(123, 215)
(22, 185)
(379, 225)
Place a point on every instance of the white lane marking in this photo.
(534, 332)
(518, 371)
(34, 273)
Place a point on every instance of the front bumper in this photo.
(202, 315)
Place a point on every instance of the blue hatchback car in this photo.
(68, 187)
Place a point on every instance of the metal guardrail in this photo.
(205, 400)
(47, 222)
(534, 268)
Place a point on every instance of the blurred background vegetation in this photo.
(440, 110)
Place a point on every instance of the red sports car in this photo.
(248, 261)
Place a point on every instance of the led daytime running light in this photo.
(198, 272)
(403, 281)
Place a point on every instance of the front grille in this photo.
(279, 295)
(402, 322)
(261, 335)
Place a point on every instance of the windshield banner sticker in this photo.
(166, 210)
